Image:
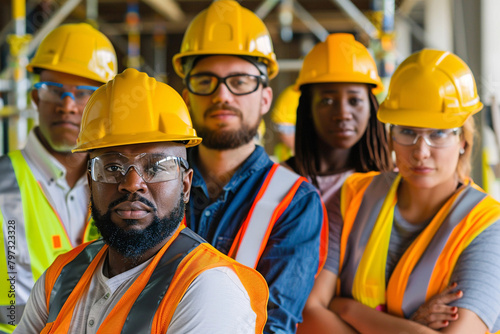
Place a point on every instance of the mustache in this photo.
(132, 198)
(220, 106)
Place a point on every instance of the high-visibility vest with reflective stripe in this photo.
(425, 268)
(27, 223)
(273, 198)
(150, 302)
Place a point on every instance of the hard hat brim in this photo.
(425, 118)
(138, 138)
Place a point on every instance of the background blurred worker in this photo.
(284, 117)
(44, 193)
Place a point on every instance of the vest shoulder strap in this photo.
(275, 195)
(64, 274)
(207, 257)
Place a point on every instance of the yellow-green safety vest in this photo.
(28, 223)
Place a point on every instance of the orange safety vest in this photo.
(149, 304)
(272, 200)
(424, 270)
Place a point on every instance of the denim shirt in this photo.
(290, 259)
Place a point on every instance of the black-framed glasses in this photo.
(433, 137)
(152, 167)
(56, 92)
(238, 84)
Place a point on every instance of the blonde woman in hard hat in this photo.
(44, 190)
(405, 237)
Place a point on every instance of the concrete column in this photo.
(490, 30)
(403, 39)
(489, 85)
(438, 24)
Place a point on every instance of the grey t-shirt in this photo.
(477, 271)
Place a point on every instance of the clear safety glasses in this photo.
(152, 167)
(56, 92)
(238, 84)
(432, 137)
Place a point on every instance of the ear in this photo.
(463, 145)
(34, 97)
(186, 184)
(185, 96)
(267, 100)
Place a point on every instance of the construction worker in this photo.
(338, 133)
(148, 274)
(284, 117)
(337, 128)
(257, 212)
(44, 206)
(406, 236)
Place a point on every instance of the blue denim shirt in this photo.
(290, 259)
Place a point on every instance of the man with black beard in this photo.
(257, 212)
(132, 243)
(148, 273)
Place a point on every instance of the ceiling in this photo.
(311, 21)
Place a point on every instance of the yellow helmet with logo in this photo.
(76, 49)
(227, 28)
(431, 89)
(340, 58)
(285, 108)
(134, 108)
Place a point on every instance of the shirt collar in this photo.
(256, 161)
(47, 165)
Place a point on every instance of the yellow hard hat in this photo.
(227, 28)
(431, 89)
(340, 58)
(77, 49)
(134, 108)
(285, 108)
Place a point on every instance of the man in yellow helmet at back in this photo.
(44, 193)
(257, 212)
(284, 117)
(148, 273)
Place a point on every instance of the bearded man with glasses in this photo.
(257, 212)
(149, 273)
(44, 193)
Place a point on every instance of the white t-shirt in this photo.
(215, 302)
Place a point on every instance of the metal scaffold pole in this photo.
(15, 124)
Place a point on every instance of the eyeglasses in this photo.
(56, 92)
(238, 84)
(152, 167)
(433, 138)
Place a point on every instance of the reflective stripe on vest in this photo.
(273, 198)
(358, 238)
(28, 223)
(171, 272)
(426, 266)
